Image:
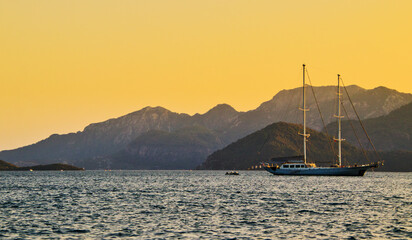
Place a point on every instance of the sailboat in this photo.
(298, 165)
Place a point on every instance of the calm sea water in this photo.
(203, 204)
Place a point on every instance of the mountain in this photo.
(102, 140)
(219, 118)
(183, 149)
(7, 166)
(281, 140)
(284, 106)
(97, 139)
(389, 132)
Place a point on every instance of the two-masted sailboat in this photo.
(300, 166)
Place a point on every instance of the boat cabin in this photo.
(297, 165)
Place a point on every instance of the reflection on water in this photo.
(209, 204)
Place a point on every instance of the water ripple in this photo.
(203, 204)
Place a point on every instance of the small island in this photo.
(5, 166)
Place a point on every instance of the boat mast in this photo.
(339, 124)
(305, 136)
(304, 117)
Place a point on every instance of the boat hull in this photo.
(338, 171)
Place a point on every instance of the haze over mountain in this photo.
(126, 135)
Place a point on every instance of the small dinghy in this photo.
(232, 173)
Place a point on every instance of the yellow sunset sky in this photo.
(67, 63)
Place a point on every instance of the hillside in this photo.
(7, 166)
(51, 167)
(277, 140)
(100, 140)
(97, 139)
(389, 132)
(281, 140)
(183, 149)
(396, 161)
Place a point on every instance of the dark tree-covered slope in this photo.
(277, 140)
(7, 166)
(282, 140)
(389, 132)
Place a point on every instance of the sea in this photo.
(203, 205)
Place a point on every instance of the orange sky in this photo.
(67, 63)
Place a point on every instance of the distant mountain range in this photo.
(281, 140)
(145, 138)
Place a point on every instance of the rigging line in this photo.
(356, 135)
(323, 70)
(360, 121)
(321, 117)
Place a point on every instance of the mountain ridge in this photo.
(102, 139)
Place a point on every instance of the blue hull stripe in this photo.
(344, 171)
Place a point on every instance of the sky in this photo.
(68, 63)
